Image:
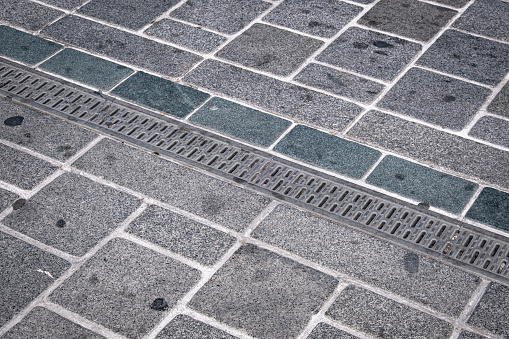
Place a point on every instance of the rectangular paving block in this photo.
(324, 331)
(433, 146)
(469, 335)
(369, 259)
(27, 14)
(126, 288)
(291, 101)
(491, 312)
(384, 318)
(6, 198)
(264, 294)
(66, 4)
(240, 122)
(492, 130)
(183, 326)
(491, 208)
(488, 17)
(177, 185)
(453, 3)
(500, 105)
(122, 46)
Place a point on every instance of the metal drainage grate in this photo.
(434, 235)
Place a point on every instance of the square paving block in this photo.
(491, 312)
(72, 213)
(66, 4)
(6, 198)
(491, 208)
(126, 288)
(324, 331)
(27, 14)
(435, 98)
(370, 53)
(264, 294)
(26, 272)
(488, 17)
(500, 105)
(492, 130)
(270, 49)
(186, 327)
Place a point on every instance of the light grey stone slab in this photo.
(500, 105)
(492, 130)
(183, 326)
(6, 198)
(491, 312)
(27, 14)
(324, 331)
(487, 17)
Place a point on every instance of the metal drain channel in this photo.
(434, 235)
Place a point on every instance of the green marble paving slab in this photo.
(491, 207)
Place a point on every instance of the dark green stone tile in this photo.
(160, 94)
(24, 47)
(240, 122)
(325, 150)
(491, 208)
(423, 184)
(86, 68)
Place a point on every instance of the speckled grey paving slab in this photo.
(277, 96)
(315, 17)
(469, 335)
(72, 213)
(27, 14)
(468, 56)
(491, 208)
(340, 83)
(435, 98)
(270, 49)
(384, 318)
(40, 132)
(488, 18)
(433, 146)
(500, 105)
(411, 19)
(122, 46)
(264, 294)
(324, 331)
(66, 4)
(180, 186)
(121, 288)
(224, 16)
(370, 53)
(241, 122)
(183, 326)
(41, 323)
(374, 261)
(453, 3)
(23, 275)
(6, 198)
(491, 312)
(492, 130)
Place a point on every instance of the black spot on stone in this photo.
(423, 205)
(14, 121)
(469, 187)
(399, 176)
(360, 45)
(18, 204)
(314, 24)
(306, 11)
(60, 223)
(27, 135)
(411, 262)
(449, 98)
(63, 148)
(159, 305)
(382, 44)
(381, 52)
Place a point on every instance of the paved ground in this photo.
(107, 238)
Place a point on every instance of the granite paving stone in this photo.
(183, 326)
(369, 259)
(6, 198)
(315, 17)
(324, 331)
(328, 151)
(86, 68)
(491, 312)
(23, 275)
(66, 4)
(429, 145)
(370, 53)
(491, 208)
(224, 16)
(264, 294)
(468, 56)
(488, 17)
(126, 288)
(270, 49)
(240, 122)
(160, 94)
(177, 185)
(122, 46)
(27, 14)
(72, 213)
(40, 132)
(412, 19)
(384, 318)
(24, 47)
(469, 335)
(500, 105)
(492, 130)
(289, 100)
(340, 83)
(364, 2)
(435, 98)
(453, 3)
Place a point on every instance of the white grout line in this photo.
(480, 35)
(26, 150)
(471, 202)
(344, 70)
(431, 2)
(372, 168)
(281, 137)
(162, 16)
(213, 322)
(196, 109)
(346, 329)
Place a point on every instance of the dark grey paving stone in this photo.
(177, 185)
(469, 335)
(6, 198)
(468, 56)
(240, 122)
(435, 98)
(375, 261)
(320, 18)
(224, 16)
(292, 101)
(328, 151)
(41, 323)
(364, 2)
(411, 19)
(186, 327)
(127, 13)
(452, 3)
(72, 213)
(384, 318)
(491, 208)
(500, 105)
(40, 132)
(126, 288)
(340, 83)
(66, 4)
(24, 47)
(86, 68)
(21, 278)
(433, 146)
(186, 35)
(122, 46)
(264, 294)
(181, 235)
(370, 53)
(492, 129)
(491, 312)
(488, 17)
(160, 94)
(26, 14)
(270, 49)
(324, 331)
